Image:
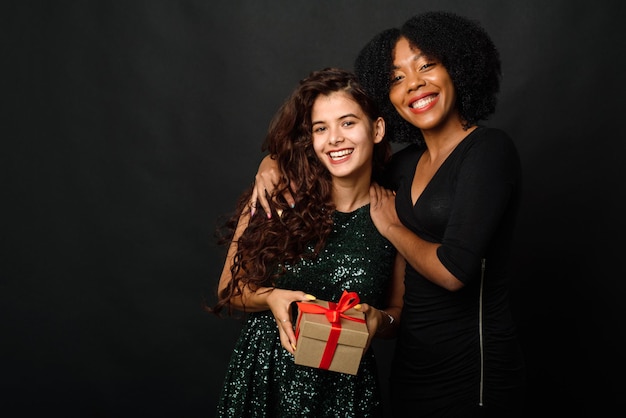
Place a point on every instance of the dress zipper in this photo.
(480, 330)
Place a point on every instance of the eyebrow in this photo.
(349, 115)
(416, 57)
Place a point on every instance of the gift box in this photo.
(331, 335)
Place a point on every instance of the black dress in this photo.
(262, 379)
(459, 350)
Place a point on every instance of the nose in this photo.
(335, 138)
(414, 81)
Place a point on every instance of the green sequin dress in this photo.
(262, 379)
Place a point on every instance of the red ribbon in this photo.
(333, 313)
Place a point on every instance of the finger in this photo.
(381, 196)
(379, 190)
(293, 185)
(374, 196)
(253, 202)
(291, 337)
(389, 193)
(362, 307)
(261, 194)
(367, 345)
(288, 196)
(284, 340)
(284, 323)
(253, 198)
(287, 335)
(289, 199)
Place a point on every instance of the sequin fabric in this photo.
(262, 379)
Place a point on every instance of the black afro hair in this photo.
(462, 46)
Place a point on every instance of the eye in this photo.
(319, 129)
(427, 66)
(395, 78)
(348, 123)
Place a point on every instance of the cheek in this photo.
(397, 104)
(318, 145)
(395, 98)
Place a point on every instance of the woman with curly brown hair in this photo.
(328, 138)
(458, 188)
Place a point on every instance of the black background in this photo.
(129, 128)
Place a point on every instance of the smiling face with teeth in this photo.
(421, 89)
(344, 136)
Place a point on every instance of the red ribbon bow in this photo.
(333, 313)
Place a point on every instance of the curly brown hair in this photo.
(267, 245)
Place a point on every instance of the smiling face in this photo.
(343, 135)
(421, 89)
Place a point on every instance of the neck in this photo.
(440, 142)
(351, 194)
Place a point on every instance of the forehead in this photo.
(404, 50)
(334, 105)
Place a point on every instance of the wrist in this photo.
(387, 321)
(260, 298)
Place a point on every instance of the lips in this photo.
(423, 103)
(340, 154)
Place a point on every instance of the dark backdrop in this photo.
(130, 127)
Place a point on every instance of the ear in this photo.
(379, 130)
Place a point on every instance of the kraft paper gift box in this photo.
(330, 335)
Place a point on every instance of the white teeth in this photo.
(339, 154)
(425, 101)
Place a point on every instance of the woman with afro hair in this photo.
(458, 186)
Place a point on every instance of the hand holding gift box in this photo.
(331, 335)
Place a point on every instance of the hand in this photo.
(280, 301)
(265, 182)
(383, 208)
(374, 320)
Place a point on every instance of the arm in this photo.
(419, 253)
(482, 209)
(264, 298)
(265, 181)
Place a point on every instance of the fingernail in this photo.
(310, 297)
(293, 205)
(252, 212)
(279, 212)
(294, 346)
(357, 306)
(269, 215)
